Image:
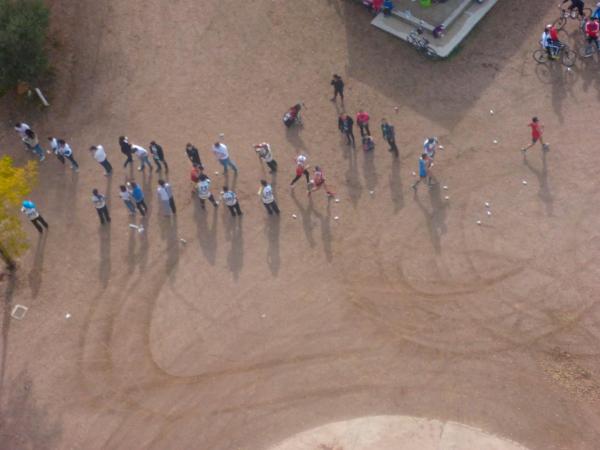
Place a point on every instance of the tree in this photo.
(23, 29)
(15, 184)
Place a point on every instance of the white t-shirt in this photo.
(31, 213)
(99, 201)
(267, 194)
(125, 196)
(301, 160)
(204, 189)
(99, 154)
(229, 197)
(65, 150)
(264, 151)
(54, 145)
(221, 151)
(21, 129)
(163, 195)
(140, 152)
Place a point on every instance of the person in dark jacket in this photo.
(159, 156)
(193, 155)
(389, 135)
(338, 87)
(345, 125)
(126, 150)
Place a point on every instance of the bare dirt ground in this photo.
(260, 329)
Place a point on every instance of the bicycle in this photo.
(565, 55)
(588, 49)
(420, 42)
(566, 14)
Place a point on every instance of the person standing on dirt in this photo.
(301, 169)
(170, 199)
(222, 153)
(424, 171)
(65, 150)
(138, 197)
(338, 87)
(163, 198)
(142, 155)
(230, 199)
(193, 155)
(318, 181)
(592, 27)
(389, 135)
(20, 128)
(54, 146)
(30, 210)
(267, 197)
(537, 130)
(126, 197)
(159, 156)
(126, 150)
(33, 144)
(575, 4)
(345, 125)
(99, 202)
(362, 119)
(264, 152)
(100, 156)
(204, 192)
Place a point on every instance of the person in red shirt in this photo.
(537, 129)
(592, 28)
(362, 119)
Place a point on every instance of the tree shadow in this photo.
(35, 274)
(104, 265)
(305, 216)
(542, 175)
(207, 235)
(23, 423)
(435, 219)
(234, 234)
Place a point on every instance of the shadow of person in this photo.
(234, 234)
(292, 134)
(436, 219)
(353, 184)
(396, 191)
(369, 170)
(9, 292)
(35, 274)
(169, 233)
(305, 216)
(207, 235)
(105, 266)
(272, 232)
(325, 221)
(542, 175)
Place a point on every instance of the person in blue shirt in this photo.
(138, 197)
(424, 171)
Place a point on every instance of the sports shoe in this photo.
(42, 158)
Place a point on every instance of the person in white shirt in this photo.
(28, 207)
(126, 197)
(99, 202)
(264, 152)
(64, 149)
(222, 153)
(21, 127)
(165, 196)
(204, 192)
(267, 197)
(100, 156)
(142, 155)
(230, 199)
(54, 146)
(301, 169)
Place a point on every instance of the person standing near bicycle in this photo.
(575, 4)
(592, 28)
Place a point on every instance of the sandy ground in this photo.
(259, 329)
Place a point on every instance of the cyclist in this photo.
(592, 27)
(575, 4)
(550, 41)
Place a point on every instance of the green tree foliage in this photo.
(15, 184)
(23, 29)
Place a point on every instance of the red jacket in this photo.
(362, 118)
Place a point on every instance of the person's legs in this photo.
(367, 128)
(232, 164)
(172, 205)
(74, 164)
(275, 207)
(238, 209)
(107, 166)
(349, 141)
(37, 225)
(129, 160)
(231, 210)
(100, 215)
(533, 142)
(351, 133)
(307, 176)
(414, 186)
(212, 200)
(61, 158)
(272, 165)
(296, 178)
(224, 163)
(38, 150)
(130, 206)
(202, 203)
(42, 221)
(141, 206)
(362, 129)
(166, 165)
(158, 166)
(106, 213)
(268, 208)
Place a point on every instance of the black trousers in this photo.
(235, 209)
(364, 127)
(172, 205)
(142, 208)
(337, 91)
(38, 222)
(297, 177)
(70, 158)
(272, 165)
(103, 214)
(128, 161)
(393, 147)
(350, 137)
(210, 199)
(61, 158)
(272, 207)
(158, 166)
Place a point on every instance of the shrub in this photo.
(23, 29)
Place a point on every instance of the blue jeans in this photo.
(130, 206)
(228, 162)
(144, 161)
(38, 150)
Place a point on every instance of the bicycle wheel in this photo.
(560, 22)
(541, 56)
(586, 50)
(568, 57)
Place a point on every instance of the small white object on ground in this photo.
(479, 222)
(441, 147)
(67, 316)
(489, 213)
(371, 192)
(294, 216)
(492, 112)
(263, 316)
(524, 182)
(140, 229)
(396, 108)
(336, 218)
(337, 200)
(19, 311)
(495, 141)
(447, 197)
(445, 188)
(216, 173)
(133, 225)
(414, 174)
(48, 151)
(221, 135)
(568, 69)
(182, 240)
(487, 204)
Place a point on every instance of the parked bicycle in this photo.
(566, 14)
(563, 53)
(420, 42)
